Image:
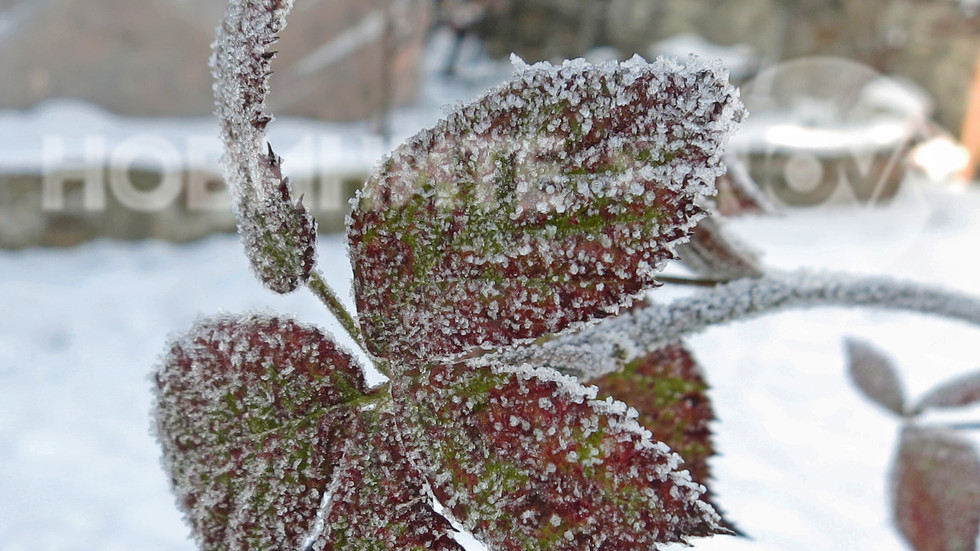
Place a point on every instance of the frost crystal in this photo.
(279, 234)
(248, 415)
(550, 201)
(531, 461)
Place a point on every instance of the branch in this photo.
(608, 346)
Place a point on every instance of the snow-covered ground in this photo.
(803, 459)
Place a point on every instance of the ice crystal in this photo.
(609, 345)
(250, 413)
(279, 234)
(551, 200)
(962, 391)
(528, 459)
(936, 490)
(874, 373)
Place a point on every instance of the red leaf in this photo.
(376, 500)
(669, 392)
(526, 460)
(551, 200)
(279, 234)
(715, 253)
(874, 374)
(738, 192)
(249, 415)
(959, 392)
(936, 490)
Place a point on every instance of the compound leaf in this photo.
(959, 392)
(279, 234)
(552, 200)
(875, 375)
(936, 490)
(250, 414)
(528, 460)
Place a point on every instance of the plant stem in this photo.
(612, 344)
(332, 302)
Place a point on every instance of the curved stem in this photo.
(326, 295)
(611, 344)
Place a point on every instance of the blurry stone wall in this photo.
(933, 42)
(339, 59)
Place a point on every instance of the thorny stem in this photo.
(610, 345)
(332, 302)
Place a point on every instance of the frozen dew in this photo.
(550, 201)
(279, 234)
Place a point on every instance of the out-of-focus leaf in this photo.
(739, 193)
(715, 253)
(668, 390)
(874, 374)
(279, 234)
(959, 392)
(376, 501)
(551, 200)
(528, 460)
(250, 413)
(936, 490)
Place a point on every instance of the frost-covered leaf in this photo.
(551, 200)
(959, 392)
(739, 193)
(875, 375)
(528, 460)
(376, 501)
(668, 390)
(250, 415)
(279, 234)
(715, 253)
(936, 490)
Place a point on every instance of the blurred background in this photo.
(116, 230)
(104, 111)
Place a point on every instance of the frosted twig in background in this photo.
(608, 346)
